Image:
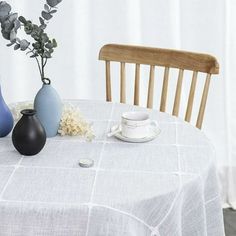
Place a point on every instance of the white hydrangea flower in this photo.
(73, 123)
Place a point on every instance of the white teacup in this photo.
(136, 124)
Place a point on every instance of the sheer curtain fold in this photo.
(82, 27)
(230, 100)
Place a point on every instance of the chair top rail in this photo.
(160, 57)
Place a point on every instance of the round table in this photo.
(165, 187)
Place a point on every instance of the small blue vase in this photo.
(48, 105)
(6, 118)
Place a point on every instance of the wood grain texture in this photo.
(160, 57)
(151, 87)
(178, 93)
(122, 83)
(164, 90)
(203, 102)
(137, 85)
(108, 82)
(191, 97)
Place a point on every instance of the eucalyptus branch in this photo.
(40, 71)
(33, 53)
(45, 63)
(42, 46)
(36, 58)
(42, 62)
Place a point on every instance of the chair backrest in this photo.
(166, 58)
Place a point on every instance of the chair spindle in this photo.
(108, 82)
(203, 102)
(151, 87)
(122, 83)
(137, 85)
(164, 90)
(191, 97)
(178, 93)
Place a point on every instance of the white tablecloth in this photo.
(166, 187)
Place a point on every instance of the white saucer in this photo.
(154, 132)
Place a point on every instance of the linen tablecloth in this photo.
(167, 187)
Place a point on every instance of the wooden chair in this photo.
(181, 60)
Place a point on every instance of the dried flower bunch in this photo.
(42, 47)
(72, 121)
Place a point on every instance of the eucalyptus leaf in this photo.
(53, 11)
(24, 44)
(16, 25)
(17, 46)
(36, 45)
(35, 27)
(47, 54)
(41, 20)
(35, 36)
(3, 19)
(39, 51)
(8, 23)
(43, 27)
(13, 40)
(13, 35)
(49, 45)
(44, 38)
(53, 3)
(18, 40)
(5, 9)
(6, 35)
(34, 55)
(46, 7)
(12, 17)
(10, 44)
(46, 15)
(22, 19)
(54, 42)
(8, 26)
(28, 28)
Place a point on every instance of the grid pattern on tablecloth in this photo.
(126, 181)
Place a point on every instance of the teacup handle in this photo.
(155, 125)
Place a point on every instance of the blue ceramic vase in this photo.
(6, 118)
(48, 106)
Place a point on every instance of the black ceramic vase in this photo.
(29, 136)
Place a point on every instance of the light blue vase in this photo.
(48, 105)
(6, 119)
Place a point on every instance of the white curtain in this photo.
(81, 27)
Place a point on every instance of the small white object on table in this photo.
(166, 187)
